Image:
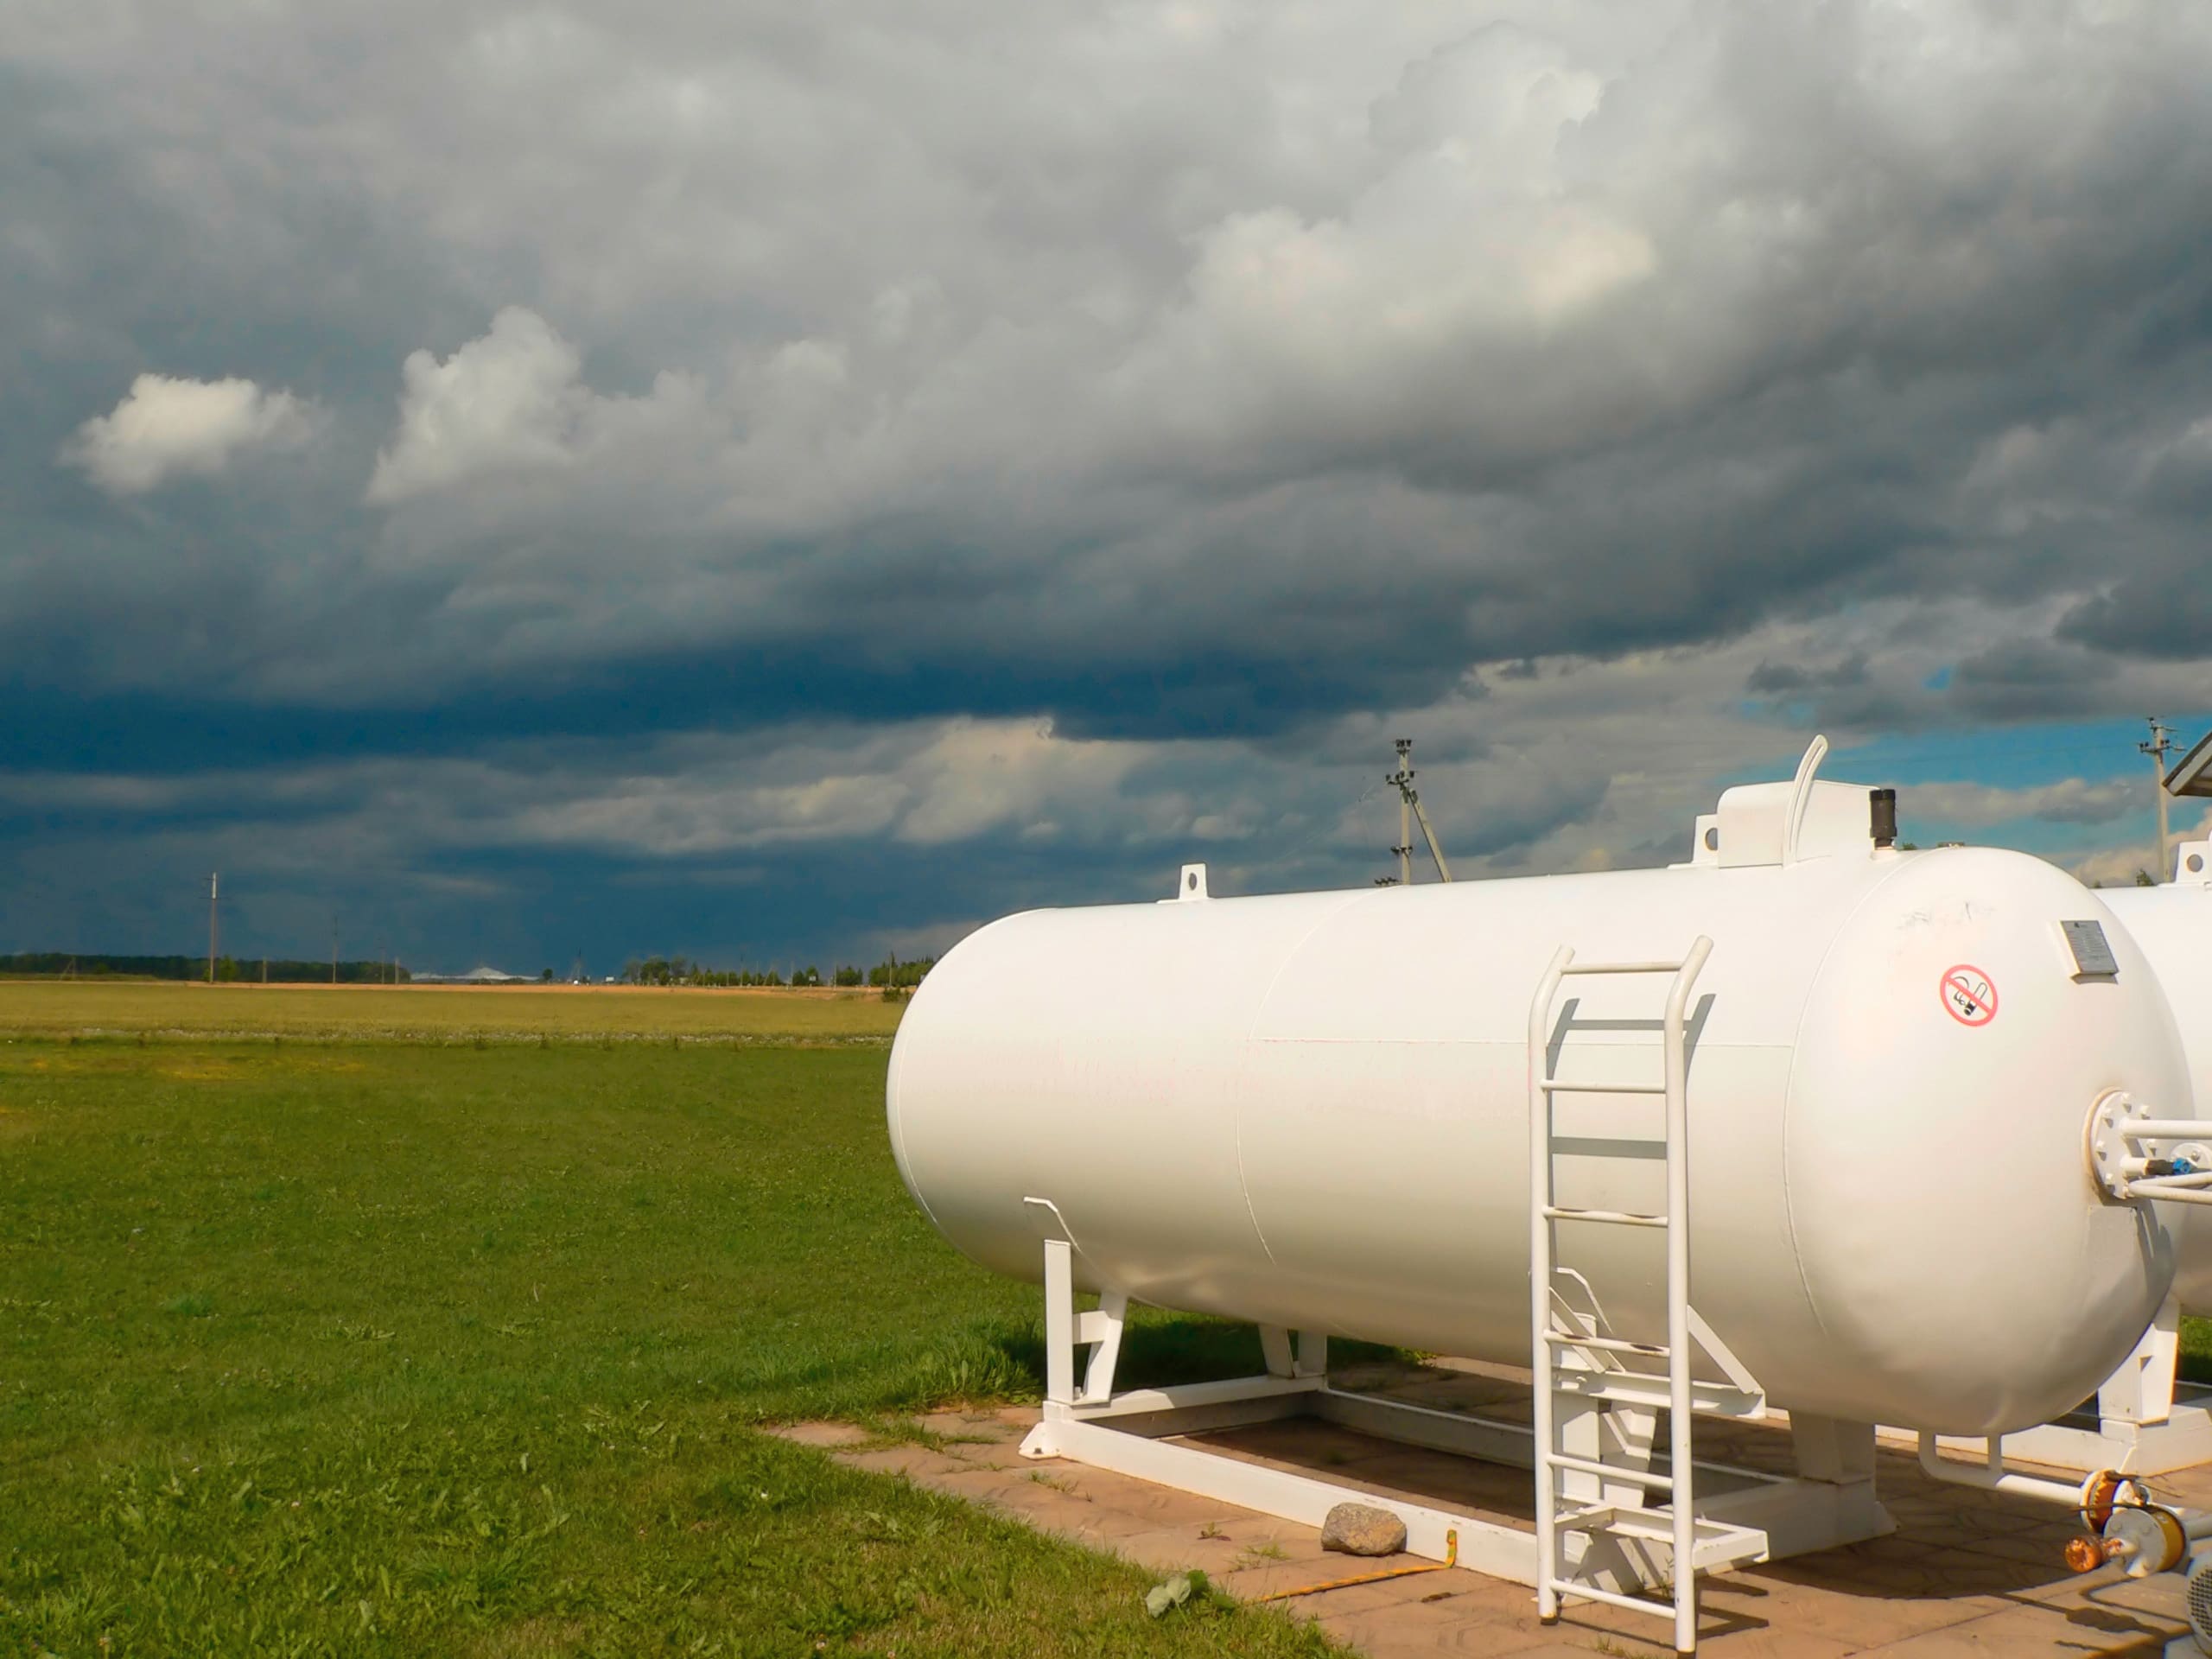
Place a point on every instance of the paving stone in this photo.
(1783, 1601)
(972, 1427)
(823, 1434)
(2110, 1588)
(1257, 1580)
(2030, 1632)
(1158, 1506)
(1434, 1627)
(915, 1462)
(1174, 1550)
(1012, 1492)
(1431, 1589)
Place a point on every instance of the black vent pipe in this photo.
(1883, 805)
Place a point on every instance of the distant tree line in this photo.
(61, 963)
(889, 974)
(895, 975)
(681, 970)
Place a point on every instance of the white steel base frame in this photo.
(1831, 1502)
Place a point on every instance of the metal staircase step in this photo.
(1719, 1545)
(1560, 1338)
(1636, 1389)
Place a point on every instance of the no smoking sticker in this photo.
(1969, 997)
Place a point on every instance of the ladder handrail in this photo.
(1544, 1212)
(1540, 1200)
(1678, 1293)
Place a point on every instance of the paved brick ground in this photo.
(1966, 1574)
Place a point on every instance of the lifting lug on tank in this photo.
(2117, 1144)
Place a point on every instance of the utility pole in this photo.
(1409, 807)
(214, 884)
(1403, 777)
(333, 949)
(2157, 748)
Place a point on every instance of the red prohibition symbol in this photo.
(1969, 996)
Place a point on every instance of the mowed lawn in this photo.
(62, 1009)
(413, 1350)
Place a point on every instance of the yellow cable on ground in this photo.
(1451, 1558)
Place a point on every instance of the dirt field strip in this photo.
(93, 1008)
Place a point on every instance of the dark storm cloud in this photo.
(2158, 603)
(571, 379)
(2163, 611)
(1776, 679)
(2031, 676)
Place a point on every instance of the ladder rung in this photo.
(1615, 1217)
(1654, 1526)
(1600, 1515)
(1576, 969)
(1643, 1388)
(1716, 1546)
(1613, 1598)
(1554, 1086)
(1611, 1344)
(1643, 1477)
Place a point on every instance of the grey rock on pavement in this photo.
(1363, 1530)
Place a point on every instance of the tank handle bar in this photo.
(1801, 796)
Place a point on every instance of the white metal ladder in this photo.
(1602, 1375)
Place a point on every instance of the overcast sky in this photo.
(759, 481)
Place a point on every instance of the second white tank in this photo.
(2172, 923)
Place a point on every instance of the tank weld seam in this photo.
(1282, 964)
(899, 1154)
(1789, 1092)
(1244, 1079)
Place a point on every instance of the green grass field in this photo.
(435, 1014)
(358, 1346)
(373, 1348)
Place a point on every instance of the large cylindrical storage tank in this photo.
(2172, 924)
(1312, 1110)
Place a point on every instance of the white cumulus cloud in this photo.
(511, 401)
(167, 428)
(2070, 800)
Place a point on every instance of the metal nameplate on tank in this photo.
(2091, 950)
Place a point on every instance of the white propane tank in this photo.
(1312, 1110)
(2173, 925)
